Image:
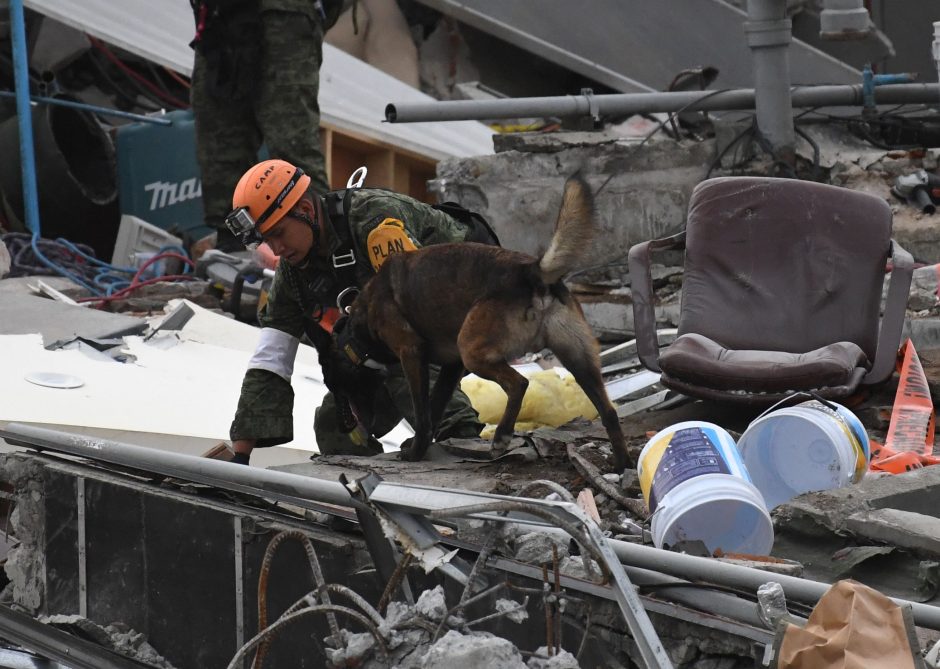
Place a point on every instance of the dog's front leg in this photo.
(414, 363)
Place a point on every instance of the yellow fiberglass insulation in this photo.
(549, 400)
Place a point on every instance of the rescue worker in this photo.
(256, 79)
(326, 244)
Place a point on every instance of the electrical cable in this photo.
(134, 74)
(749, 130)
(33, 255)
(158, 78)
(132, 101)
(799, 131)
(126, 291)
(662, 124)
(177, 77)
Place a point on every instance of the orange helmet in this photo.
(264, 194)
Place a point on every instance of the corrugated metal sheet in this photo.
(353, 94)
(638, 45)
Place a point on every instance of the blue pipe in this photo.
(870, 80)
(24, 114)
(95, 109)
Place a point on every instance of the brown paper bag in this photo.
(851, 627)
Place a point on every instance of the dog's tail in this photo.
(574, 230)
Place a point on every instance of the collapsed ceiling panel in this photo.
(637, 46)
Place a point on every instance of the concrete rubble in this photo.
(536, 556)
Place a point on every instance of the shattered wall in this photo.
(518, 189)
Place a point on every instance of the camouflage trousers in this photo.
(393, 402)
(282, 112)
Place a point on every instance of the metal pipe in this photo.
(24, 116)
(643, 103)
(768, 36)
(291, 488)
(708, 570)
(422, 499)
(95, 109)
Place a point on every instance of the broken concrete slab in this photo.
(55, 321)
(457, 651)
(827, 511)
(904, 529)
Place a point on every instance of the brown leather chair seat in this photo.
(696, 359)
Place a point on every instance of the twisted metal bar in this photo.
(318, 579)
(329, 610)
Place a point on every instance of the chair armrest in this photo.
(641, 287)
(889, 338)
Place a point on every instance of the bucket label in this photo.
(858, 441)
(676, 457)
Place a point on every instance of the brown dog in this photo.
(475, 307)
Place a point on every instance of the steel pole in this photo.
(95, 109)
(708, 570)
(24, 115)
(768, 35)
(292, 488)
(617, 104)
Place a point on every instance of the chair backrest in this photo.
(784, 265)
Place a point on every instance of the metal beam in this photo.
(282, 486)
(60, 646)
(714, 610)
(709, 570)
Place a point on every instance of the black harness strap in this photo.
(342, 252)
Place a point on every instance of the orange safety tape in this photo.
(912, 418)
(884, 459)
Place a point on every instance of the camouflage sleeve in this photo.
(266, 404)
(265, 409)
(424, 224)
(283, 310)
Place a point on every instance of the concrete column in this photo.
(768, 35)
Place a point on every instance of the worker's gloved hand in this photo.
(345, 378)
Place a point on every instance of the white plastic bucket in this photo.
(696, 486)
(804, 448)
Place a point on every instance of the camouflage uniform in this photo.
(265, 407)
(256, 78)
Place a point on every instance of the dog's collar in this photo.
(355, 351)
(360, 358)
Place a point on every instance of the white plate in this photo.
(54, 380)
